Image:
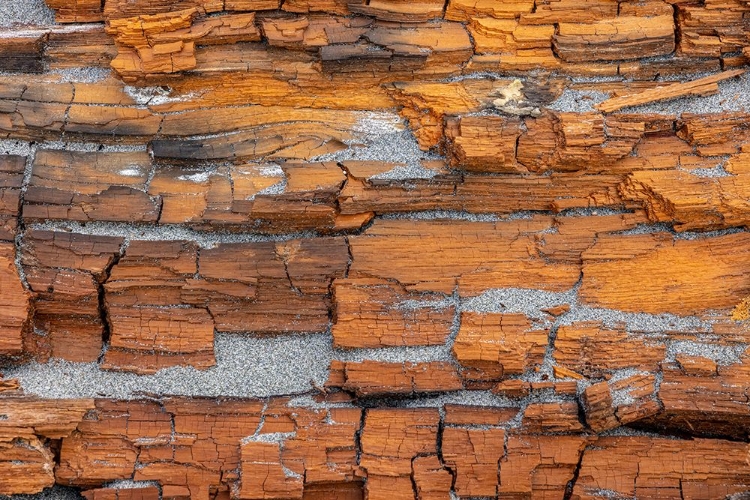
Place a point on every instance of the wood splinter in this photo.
(702, 87)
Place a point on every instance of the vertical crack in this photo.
(103, 309)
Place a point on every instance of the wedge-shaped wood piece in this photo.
(376, 313)
(485, 144)
(29, 416)
(474, 455)
(291, 281)
(707, 468)
(539, 465)
(542, 418)
(14, 315)
(26, 466)
(84, 187)
(702, 86)
(684, 276)
(376, 378)
(432, 480)
(593, 350)
(617, 402)
(445, 259)
(491, 346)
(624, 37)
(64, 272)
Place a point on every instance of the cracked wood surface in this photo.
(519, 264)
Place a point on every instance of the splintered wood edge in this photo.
(669, 92)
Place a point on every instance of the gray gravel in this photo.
(733, 95)
(17, 13)
(518, 300)
(578, 101)
(246, 367)
(165, 232)
(83, 75)
(384, 137)
(723, 355)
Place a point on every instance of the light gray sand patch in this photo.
(398, 147)
(14, 147)
(723, 355)
(401, 172)
(128, 484)
(518, 300)
(578, 101)
(16, 13)
(246, 367)
(636, 322)
(443, 215)
(89, 74)
(414, 354)
(277, 188)
(165, 232)
(714, 172)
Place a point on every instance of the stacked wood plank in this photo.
(516, 296)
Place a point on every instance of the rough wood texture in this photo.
(374, 249)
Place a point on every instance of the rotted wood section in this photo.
(512, 235)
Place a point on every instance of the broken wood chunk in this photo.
(691, 201)
(491, 346)
(14, 315)
(613, 403)
(375, 313)
(474, 455)
(432, 480)
(710, 468)
(90, 187)
(594, 350)
(375, 378)
(552, 417)
(615, 264)
(26, 466)
(539, 464)
(11, 181)
(624, 37)
(391, 439)
(64, 272)
(398, 10)
(443, 262)
(290, 280)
